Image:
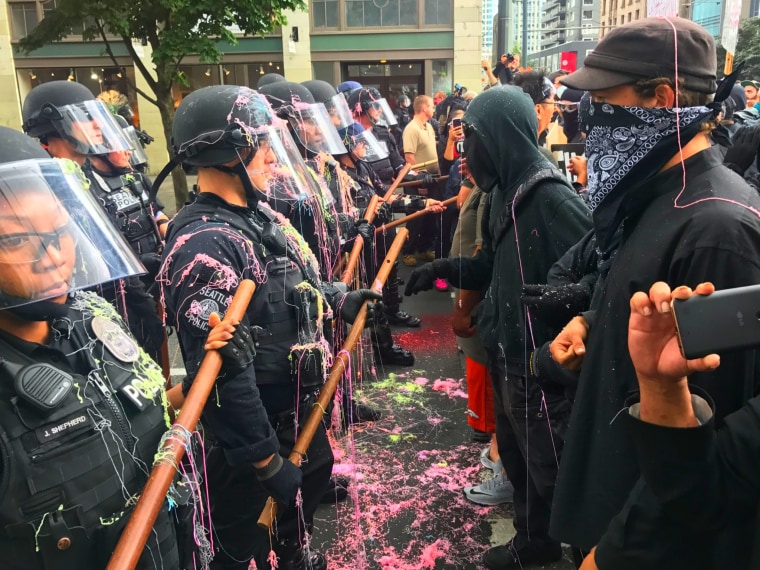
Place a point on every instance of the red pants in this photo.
(480, 414)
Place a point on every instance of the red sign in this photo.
(568, 61)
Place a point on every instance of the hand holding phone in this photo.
(456, 123)
(722, 321)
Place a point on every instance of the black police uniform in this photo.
(388, 168)
(211, 245)
(69, 476)
(125, 198)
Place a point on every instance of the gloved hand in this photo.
(424, 277)
(555, 305)
(744, 149)
(234, 341)
(366, 230)
(281, 479)
(384, 213)
(428, 180)
(351, 302)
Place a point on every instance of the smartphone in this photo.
(456, 122)
(726, 320)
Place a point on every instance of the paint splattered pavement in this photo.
(406, 509)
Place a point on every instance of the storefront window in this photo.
(442, 70)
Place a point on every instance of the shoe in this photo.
(494, 491)
(480, 436)
(428, 255)
(404, 319)
(337, 490)
(410, 260)
(395, 355)
(488, 463)
(441, 285)
(532, 552)
(304, 559)
(364, 413)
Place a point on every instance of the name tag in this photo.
(68, 425)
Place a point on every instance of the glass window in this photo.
(24, 18)
(376, 13)
(587, 14)
(637, 14)
(438, 12)
(324, 13)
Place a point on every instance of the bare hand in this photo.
(464, 171)
(220, 333)
(461, 322)
(569, 347)
(434, 206)
(577, 166)
(456, 133)
(652, 338)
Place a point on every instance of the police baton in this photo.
(412, 183)
(412, 216)
(423, 164)
(266, 519)
(135, 535)
(353, 258)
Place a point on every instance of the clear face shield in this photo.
(315, 129)
(365, 146)
(387, 117)
(137, 157)
(89, 127)
(54, 237)
(277, 170)
(340, 114)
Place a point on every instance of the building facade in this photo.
(617, 12)
(399, 46)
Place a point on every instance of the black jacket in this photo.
(701, 239)
(532, 219)
(700, 475)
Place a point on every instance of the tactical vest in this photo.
(66, 484)
(277, 307)
(125, 198)
(384, 167)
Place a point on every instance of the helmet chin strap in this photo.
(240, 169)
(44, 310)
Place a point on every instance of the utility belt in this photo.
(284, 420)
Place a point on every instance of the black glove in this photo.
(744, 148)
(366, 230)
(556, 304)
(424, 278)
(238, 353)
(384, 214)
(281, 479)
(351, 302)
(428, 180)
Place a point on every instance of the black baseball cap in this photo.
(645, 49)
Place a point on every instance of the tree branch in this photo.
(110, 53)
(141, 67)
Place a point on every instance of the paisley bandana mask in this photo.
(628, 145)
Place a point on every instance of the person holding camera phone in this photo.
(504, 71)
(698, 471)
(668, 212)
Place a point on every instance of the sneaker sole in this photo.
(485, 500)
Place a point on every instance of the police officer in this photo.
(65, 117)
(81, 411)
(403, 117)
(227, 234)
(370, 110)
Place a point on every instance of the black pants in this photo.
(237, 500)
(530, 432)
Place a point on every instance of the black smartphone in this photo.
(726, 320)
(457, 122)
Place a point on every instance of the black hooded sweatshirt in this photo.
(533, 217)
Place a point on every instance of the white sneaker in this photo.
(494, 491)
(488, 463)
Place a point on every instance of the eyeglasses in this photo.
(31, 247)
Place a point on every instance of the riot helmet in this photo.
(269, 78)
(309, 120)
(334, 102)
(362, 144)
(137, 157)
(369, 102)
(68, 110)
(55, 237)
(347, 86)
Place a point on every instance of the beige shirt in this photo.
(419, 140)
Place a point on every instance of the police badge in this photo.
(116, 340)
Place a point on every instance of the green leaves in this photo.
(748, 48)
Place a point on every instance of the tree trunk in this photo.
(166, 108)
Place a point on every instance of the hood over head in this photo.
(501, 145)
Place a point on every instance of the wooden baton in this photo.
(135, 535)
(413, 183)
(412, 216)
(266, 519)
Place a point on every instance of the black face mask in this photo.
(479, 163)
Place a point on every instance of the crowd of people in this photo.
(564, 280)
